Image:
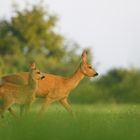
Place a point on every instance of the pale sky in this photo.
(110, 27)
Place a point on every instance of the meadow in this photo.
(98, 122)
(106, 108)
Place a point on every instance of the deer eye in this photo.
(90, 67)
(38, 72)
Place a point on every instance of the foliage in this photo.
(30, 35)
(116, 86)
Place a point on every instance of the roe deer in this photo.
(57, 88)
(11, 93)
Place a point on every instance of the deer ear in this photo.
(33, 65)
(84, 56)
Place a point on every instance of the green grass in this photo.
(92, 122)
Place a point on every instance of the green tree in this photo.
(30, 35)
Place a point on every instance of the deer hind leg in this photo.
(45, 105)
(12, 112)
(66, 105)
(7, 104)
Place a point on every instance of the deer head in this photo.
(86, 68)
(36, 73)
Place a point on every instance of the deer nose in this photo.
(96, 74)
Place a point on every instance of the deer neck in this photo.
(32, 84)
(75, 79)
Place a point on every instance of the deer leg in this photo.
(12, 112)
(45, 106)
(25, 108)
(1, 113)
(1, 109)
(29, 103)
(22, 110)
(66, 105)
(32, 100)
(7, 104)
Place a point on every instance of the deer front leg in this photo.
(26, 108)
(45, 105)
(22, 109)
(1, 112)
(66, 105)
(31, 101)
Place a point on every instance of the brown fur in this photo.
(12, 93)
(57, 88)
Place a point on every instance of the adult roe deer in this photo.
(11, 93)
(55, 87)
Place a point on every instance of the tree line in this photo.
(31, 35)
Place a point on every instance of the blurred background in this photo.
(53, 34)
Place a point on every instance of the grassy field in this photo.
(92, 122)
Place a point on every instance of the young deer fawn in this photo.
(11, 93)
(57, 88)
